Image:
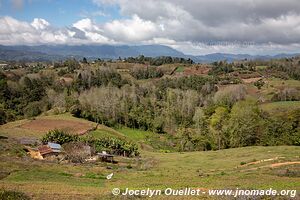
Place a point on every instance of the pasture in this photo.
(248, 167)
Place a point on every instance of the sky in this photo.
(194, 27)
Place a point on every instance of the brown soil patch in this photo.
(251, 80)
(260, 161)
(284, 163)
(198, 70)
(274, 165)
(252, 90)
(45, 125)
(66, 80)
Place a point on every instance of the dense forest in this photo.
(200, 112)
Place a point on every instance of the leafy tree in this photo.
(84, 60)
(259, 84)
(245, 125)
(217, 121)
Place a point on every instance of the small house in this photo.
(105, 157)
(43, 151)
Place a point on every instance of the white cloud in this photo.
(10, 25)
(191, 26)
(40, 24)
(39, 31)
(260, 21)
(85, 25)
(131, 30)
(92, 31)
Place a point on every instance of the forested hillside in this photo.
(203, 107)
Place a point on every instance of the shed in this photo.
(45, 149)
(106, 157)
(49, 149)
(54, 147)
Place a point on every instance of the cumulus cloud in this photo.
(93, 32)
(39, 31)
(191, 26)
(131, 30)
(40, 24)
(219, 20)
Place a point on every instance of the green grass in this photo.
(101, 133)
(41, 175)
(273, 86)
(228, 168)
(261, 67)
(280, 107)
(213, 169)
(276, 82)
(135, 134)
(156, 142)
(180, 69)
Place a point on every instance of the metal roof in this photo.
(54, 145)
(49, 148)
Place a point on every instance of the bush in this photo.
(287, 94)
(77, 152)
(259, 84)
(230, 95)
(149, 72)
(13, 195)
(59, 136)
(114, 146)
(33, 109)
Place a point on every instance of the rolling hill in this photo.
(59, 52)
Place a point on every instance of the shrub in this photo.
(259, 84)
(12, 195)
(287, 94)
(77, 152)
(33, 109)
(114, 146)
(149, 72)
(230, 95)
(59, 136)
(243, 163)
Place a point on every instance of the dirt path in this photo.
(274, 165)
(284, 163)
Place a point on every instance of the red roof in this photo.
(44, 149)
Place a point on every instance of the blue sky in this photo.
(59, 12)
(193, 27)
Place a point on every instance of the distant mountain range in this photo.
(60, 52)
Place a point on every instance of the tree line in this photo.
(193, 109)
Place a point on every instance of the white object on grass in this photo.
(109, 176)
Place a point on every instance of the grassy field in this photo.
(261, 67)
(270, 88)
(39, 126)
(180, 69)
(249, 167)
(277, 83)
(219, 169)
(280, 107)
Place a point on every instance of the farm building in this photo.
(49, 149)
(43, 151)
